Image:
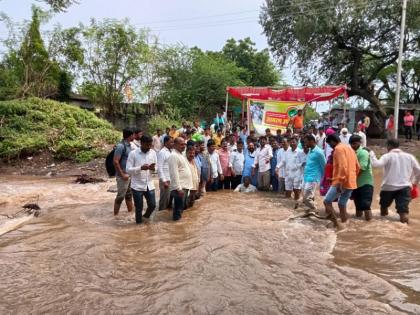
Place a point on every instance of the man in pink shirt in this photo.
(224, 156)
(408, 125)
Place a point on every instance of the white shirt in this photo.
(231, 147)
(320, 140)
(345, 139)
(206, 139)
(400, 169)
(237, 162)
(263, 157)
(363, 136)
(281, 155)
(157, 145)
(135, 144)
(141, 180)
(163, 166)
(216, 167)
(328, 150)
(179, 172)
(292, 163)
(242, 188)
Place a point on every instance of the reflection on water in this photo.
(232, 253)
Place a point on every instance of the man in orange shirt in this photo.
(297, 122)
(344, 178)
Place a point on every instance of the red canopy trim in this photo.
(298, 94)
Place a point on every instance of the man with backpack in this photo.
(121, 153)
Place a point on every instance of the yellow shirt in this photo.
(218, 141)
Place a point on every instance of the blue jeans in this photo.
(214, 184)
(343, 196)
(179, 203)
(275, 183)
(138, 203)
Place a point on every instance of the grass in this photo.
(33, 125)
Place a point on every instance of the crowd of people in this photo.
(191, 161)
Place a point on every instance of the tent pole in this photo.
(226, 110)
(248, 116)
(243, 112)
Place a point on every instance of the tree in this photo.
(114, 55)
(28, 69)
(195, 81)
(259, 70)
(337, 41)
(60, 5)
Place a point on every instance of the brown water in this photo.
(231, 254)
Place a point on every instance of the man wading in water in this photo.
(345, 170)
(123, 179)
(180, 177)
(399, 169)
(140, 163)
(362, 196)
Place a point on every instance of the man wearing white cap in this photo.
(344, 136)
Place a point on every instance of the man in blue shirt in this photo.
(313, 172)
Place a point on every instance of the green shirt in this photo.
(365, 176)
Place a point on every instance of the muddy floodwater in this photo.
(230, 254)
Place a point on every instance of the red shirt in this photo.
(409, 120)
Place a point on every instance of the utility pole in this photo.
(400, 57)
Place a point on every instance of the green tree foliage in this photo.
(337, 41)
(310, 114)
(259, 70)
(60, 5)
(114, 54)
(195, 81)
(28, 69)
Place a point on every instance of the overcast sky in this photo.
(203, 23)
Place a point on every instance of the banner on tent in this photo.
(272, 114)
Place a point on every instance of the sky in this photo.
(203, 23)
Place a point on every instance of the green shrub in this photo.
(32, 125)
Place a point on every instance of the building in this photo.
(81, 101)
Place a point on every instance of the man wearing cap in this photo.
(344, 136)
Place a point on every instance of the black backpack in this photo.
(109, 162)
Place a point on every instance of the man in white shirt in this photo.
(280, 170)
(320, 138)
(180, 177)
(163, 172)
(362, 135)
(246, 187)
(157, 145)
(236, 164)
(262, 161)
(292, 164)
(198, 128)
(140, 165)
(207, 136)
(344, 136)
(399, 168)
(215, 166)
(135, 143)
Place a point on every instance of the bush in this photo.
(32, 125)
(161, 122)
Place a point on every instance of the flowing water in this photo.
(230, 254)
